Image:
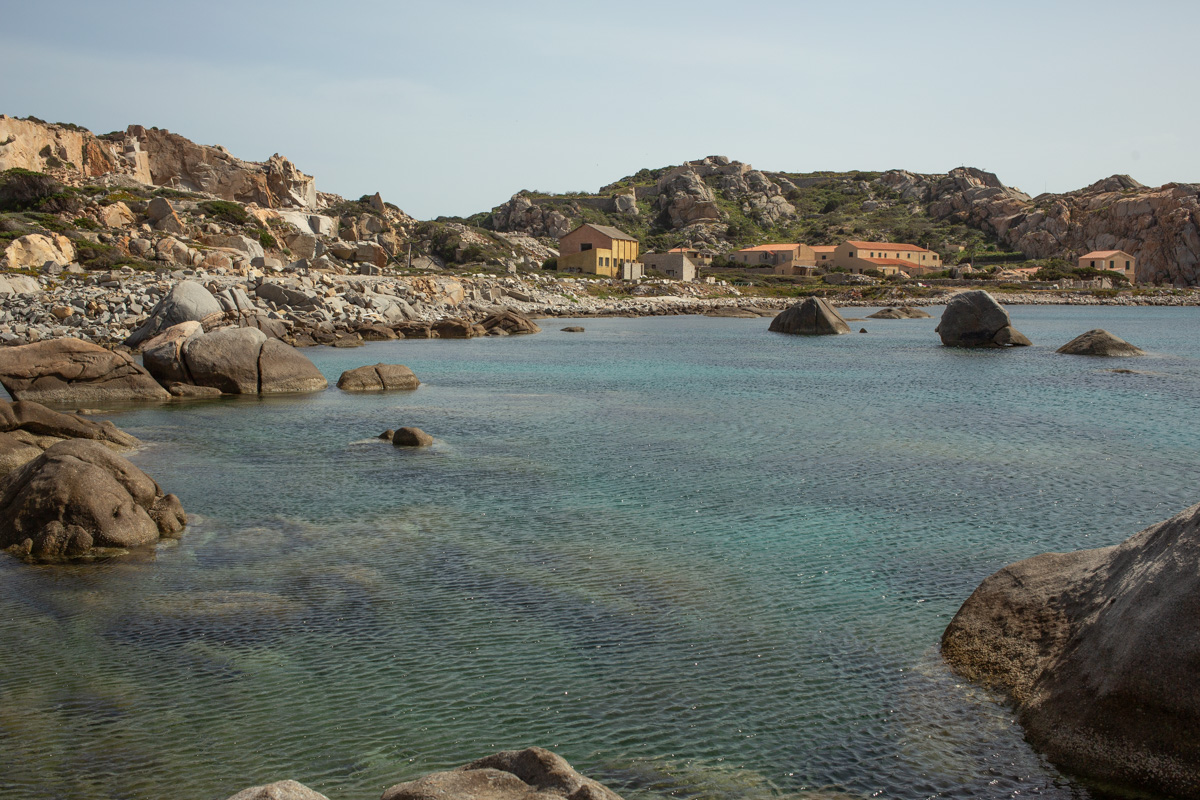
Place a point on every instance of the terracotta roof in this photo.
(769, 248)
(885, 246)
(892, 262)
(607, 230)
(1105, 254)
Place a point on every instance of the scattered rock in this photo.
(387, 435)
(80, 499)
(900, 312)
(34, 250)
(862, 330)
(975, 319)
(411, 437)
(1098, 649)
(71, 371)
(573, 329)
(507, 775)
(192, 392)
(378, 378)
(813, 317)
(1099, 342)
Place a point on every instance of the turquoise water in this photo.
(695, 558)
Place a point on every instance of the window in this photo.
(1092, 263)
(585, 246)
(1112, 264)
(1127, 266)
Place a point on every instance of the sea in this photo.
(694, 558)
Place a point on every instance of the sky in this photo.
(449, 108)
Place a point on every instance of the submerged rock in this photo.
(530, 774)
(80, 499)
(1098, 648)
(573, 329)
(975, 319)
(900, 312)
(28, 428)
(76, 372)
(280, 790)
(378, 378)
(814, 317)
(411, 437)
(1099, 342)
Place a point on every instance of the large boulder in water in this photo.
(530, 774)
(510, 322)
(1099, 342)
(76, 372)
(187, 301)
(378, 378)
(1099, 650)
(233, 360)
(814, 317)
(80, 499)
(975, 319)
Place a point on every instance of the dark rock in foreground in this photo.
(573, 329)
(900, 312)
(1098, 649)
(80, 499)
(378, 378)
(411, 437)
(1099, 342)
(531, 774)
(975, 319)
(813, 317)
(76, 372)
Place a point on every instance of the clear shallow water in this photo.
(695, 558)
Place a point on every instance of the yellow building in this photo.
(599, 250)
(1111, 260)
(887, 257)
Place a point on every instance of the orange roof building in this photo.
(856, 256)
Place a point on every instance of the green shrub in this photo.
(22, 189)
(226, 211)
(86, 223)
(266, 239)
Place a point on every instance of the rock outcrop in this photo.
(76, 372)
(377, 378)
(187, 301)
(507, 775)
(182, 164)
(234, 360)
(814, 317)
(975, 319)
(1099, 342)
(79, 499)
(1098, 649)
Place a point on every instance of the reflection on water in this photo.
(696, 559)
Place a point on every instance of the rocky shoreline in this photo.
(309, 306)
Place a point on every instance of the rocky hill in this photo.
(154, 157)
(726, 204)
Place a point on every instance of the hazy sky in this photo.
(451, 107)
